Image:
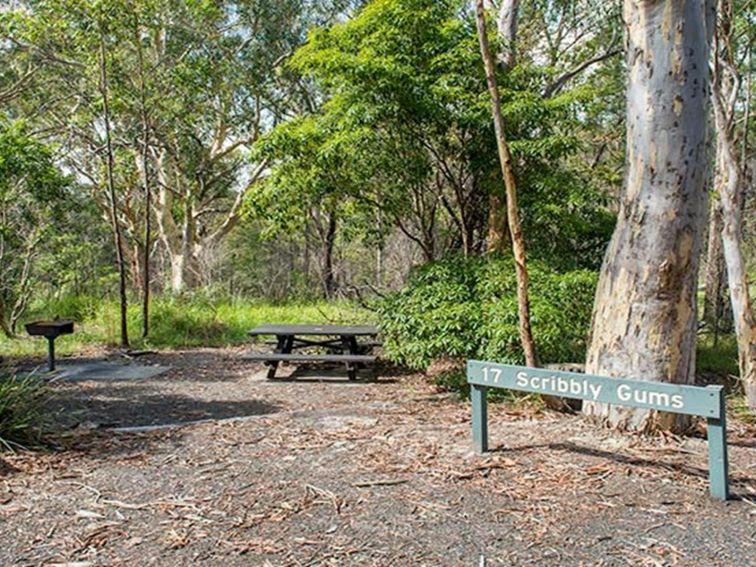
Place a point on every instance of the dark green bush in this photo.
(467, 308)
(22, 414)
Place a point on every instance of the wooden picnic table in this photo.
(340, 342)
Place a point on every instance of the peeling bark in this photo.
(497, 239)
(644, 320)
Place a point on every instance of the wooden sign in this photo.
(708, 402)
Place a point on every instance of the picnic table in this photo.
(339, 341)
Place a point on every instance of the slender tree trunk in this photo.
(717, 314)
(644, 319)
(145, 183)
(306, 260)
(742, 308)
(118, 241)
(518, 241)
(379, 251)
(379, 266)
(726, 87)
(146, 274)
(329, 240)
(497, 239)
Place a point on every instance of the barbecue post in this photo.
(50, 353)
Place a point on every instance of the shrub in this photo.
(467, 308)
(22, 414)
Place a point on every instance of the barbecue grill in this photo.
(51, 330)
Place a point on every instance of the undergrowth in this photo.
(23, 417)
(176, 322)
(467, 308)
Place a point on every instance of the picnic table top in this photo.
(342, 330)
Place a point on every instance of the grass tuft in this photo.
(23, 418)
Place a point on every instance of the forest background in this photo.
(210, 165)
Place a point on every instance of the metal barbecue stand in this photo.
(51, 330)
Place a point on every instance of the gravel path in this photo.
(320, 471)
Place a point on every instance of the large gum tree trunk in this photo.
(644, 320)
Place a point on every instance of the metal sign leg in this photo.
(717, 437)
(479, 418)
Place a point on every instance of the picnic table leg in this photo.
(351, 371)
(280, 347)
(349, 345)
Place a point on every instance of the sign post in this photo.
(716, 433)
(479, 417)
(708, 402)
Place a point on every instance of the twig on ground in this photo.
(383, 482)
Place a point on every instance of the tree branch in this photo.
(555, 86)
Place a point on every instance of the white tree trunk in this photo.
(644, 320)
(725, 92)
(737, 276)
(716, 314)
(728, 185)
(506, 25)
(178, 239)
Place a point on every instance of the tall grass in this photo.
(176, 322)
(23, 417)
(720, 358)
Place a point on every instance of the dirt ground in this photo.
(314, 470)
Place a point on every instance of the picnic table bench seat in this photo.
(300, 357)
(369, 344)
